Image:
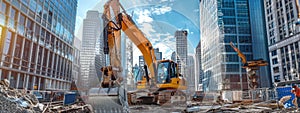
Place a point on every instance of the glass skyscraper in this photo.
(36, 43)
(222, 22)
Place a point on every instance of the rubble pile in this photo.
(17, 101)
(75, 108)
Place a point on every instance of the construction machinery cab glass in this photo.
(165, 71)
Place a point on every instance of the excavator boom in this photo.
(155, 89)
(240, 54)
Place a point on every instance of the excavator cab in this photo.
(165, 71)
(168, 76)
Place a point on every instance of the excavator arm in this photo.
(240, 54)
(112, 37)
(154, 89)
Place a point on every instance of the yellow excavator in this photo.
(163, 85)
(250, 66)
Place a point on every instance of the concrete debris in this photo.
(16, 101)
(19, 101)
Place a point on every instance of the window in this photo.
(244, 29)
(228, 12)
(18, 47)
(25, 2)
(229, 48)
(13, 14)
(229, 21)
(232, 67)
(245, 39)
(228, 3)
(40, 55)
(274, 61)
(249, 57)
(276, 69)
(3, 8)
(277, 78)
(274, 52)
(242, 13)
(246, 48)
(26, 50)
(229, 29)
(231, 58)
(22, 20)
(229, 39)
(29, 25)
(8, 43)
(33, 54)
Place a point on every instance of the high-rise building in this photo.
(36, 43)
(283, 39)
(76, 60)
(181, 49)
(173, 56)
(259, 40)
(223, 22)
(158, 54)
(141, 62)
(199, 72)
(190, 73)
(90, 57)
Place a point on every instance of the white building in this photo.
(198, 71)
(283, 39)
(89, 55)
(190, 73)
(76, 60)
(181, 49)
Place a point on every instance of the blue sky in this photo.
(158, 20)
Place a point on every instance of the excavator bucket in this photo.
(108, 91)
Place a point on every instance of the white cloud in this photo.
(144, 16)
(161, 10)
(164, 41)
(163, 0)
(147, 29)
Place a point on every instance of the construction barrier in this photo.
(285, 91)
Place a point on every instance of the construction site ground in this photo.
(110, 104)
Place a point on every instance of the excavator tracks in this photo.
(171, 97)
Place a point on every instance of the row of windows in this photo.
(33, 57)
(26, 26)
(233, 39)
(243, 48)
(51, 20)
(290, 53)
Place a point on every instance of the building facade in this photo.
(283, 39)
(190, 74)
(76, 61)
(141, 62)
(90, 58)
(36, 43)
(259, 40)
(181, 49)
(223, 22)
(173, 56)
(198, 71)
(158, 54)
